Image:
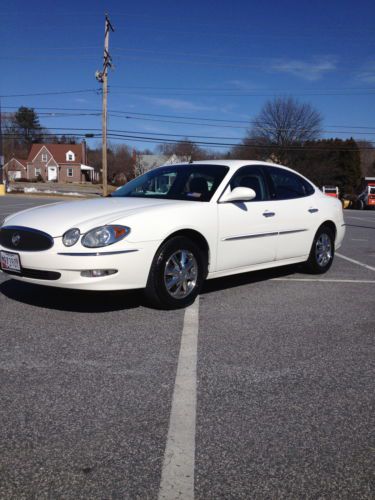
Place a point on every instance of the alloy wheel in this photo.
(181, 274)
(323, 250)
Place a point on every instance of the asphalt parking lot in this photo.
(264, 388)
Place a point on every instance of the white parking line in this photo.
(323, 280)
(177, 480)
(359, 218)
(355, 261)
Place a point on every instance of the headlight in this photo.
(104, 236)
(71, 237)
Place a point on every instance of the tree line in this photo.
(285, 131)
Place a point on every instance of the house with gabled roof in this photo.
(15, 169)
(53, 163)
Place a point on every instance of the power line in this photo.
(59, 92)
(141, 116)
(214, 89)
(64, 115)
(191, 135)
(169, 138)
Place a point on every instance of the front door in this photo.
(247, 230)
(52, 173)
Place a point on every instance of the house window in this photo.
(70, 156)
(37, 172)
(44, 157)
(70, 172)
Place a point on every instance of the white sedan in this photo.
(175, 226)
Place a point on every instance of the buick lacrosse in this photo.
(175, 226)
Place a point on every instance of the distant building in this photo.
(53, 163)
(144, 163)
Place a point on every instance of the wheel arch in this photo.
(331, 225)
(195, 236)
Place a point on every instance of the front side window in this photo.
(251, 177)
(37, 172)
(70, 172)
(191, 182)
(44, 157)
(286, 185)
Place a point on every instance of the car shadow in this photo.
(236, 280)
(62, 299)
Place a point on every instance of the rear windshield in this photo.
(191, 182)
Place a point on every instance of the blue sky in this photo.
(206, 67)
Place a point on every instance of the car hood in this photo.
(86, 214)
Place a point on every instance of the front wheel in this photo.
(322, 251)
(177, 273)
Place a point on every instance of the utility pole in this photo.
(102, 77)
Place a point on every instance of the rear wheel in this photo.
(177, 273)
(322, 251)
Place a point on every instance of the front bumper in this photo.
(132, 264)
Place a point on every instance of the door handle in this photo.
(313, 210)
(268, 214)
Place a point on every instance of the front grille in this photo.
(36, 274)
(24, 239)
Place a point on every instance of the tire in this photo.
(177, 274)
(360, 205)
(322, 251)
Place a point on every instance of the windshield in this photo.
(371, 190)
(176, 182)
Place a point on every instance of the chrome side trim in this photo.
(95, 254)
(248, 236)
(293, 231)
(261, 235)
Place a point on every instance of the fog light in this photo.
(98, 273)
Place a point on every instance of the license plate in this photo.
(10, 262)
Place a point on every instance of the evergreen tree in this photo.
(26, 122)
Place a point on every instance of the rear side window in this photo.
(286, 185)
(251, 177)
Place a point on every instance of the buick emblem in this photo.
(15, 239)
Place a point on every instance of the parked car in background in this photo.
(175, 226)
(331, 191)
(366, 199)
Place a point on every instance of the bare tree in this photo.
(184, 149)
(282, 123)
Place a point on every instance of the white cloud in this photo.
(310, 71)
(179, 104)
(243, 85)
(367, 74)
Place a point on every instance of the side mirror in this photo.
(238, 194)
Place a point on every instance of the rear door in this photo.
(297, 212)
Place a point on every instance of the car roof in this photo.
(232, 164)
